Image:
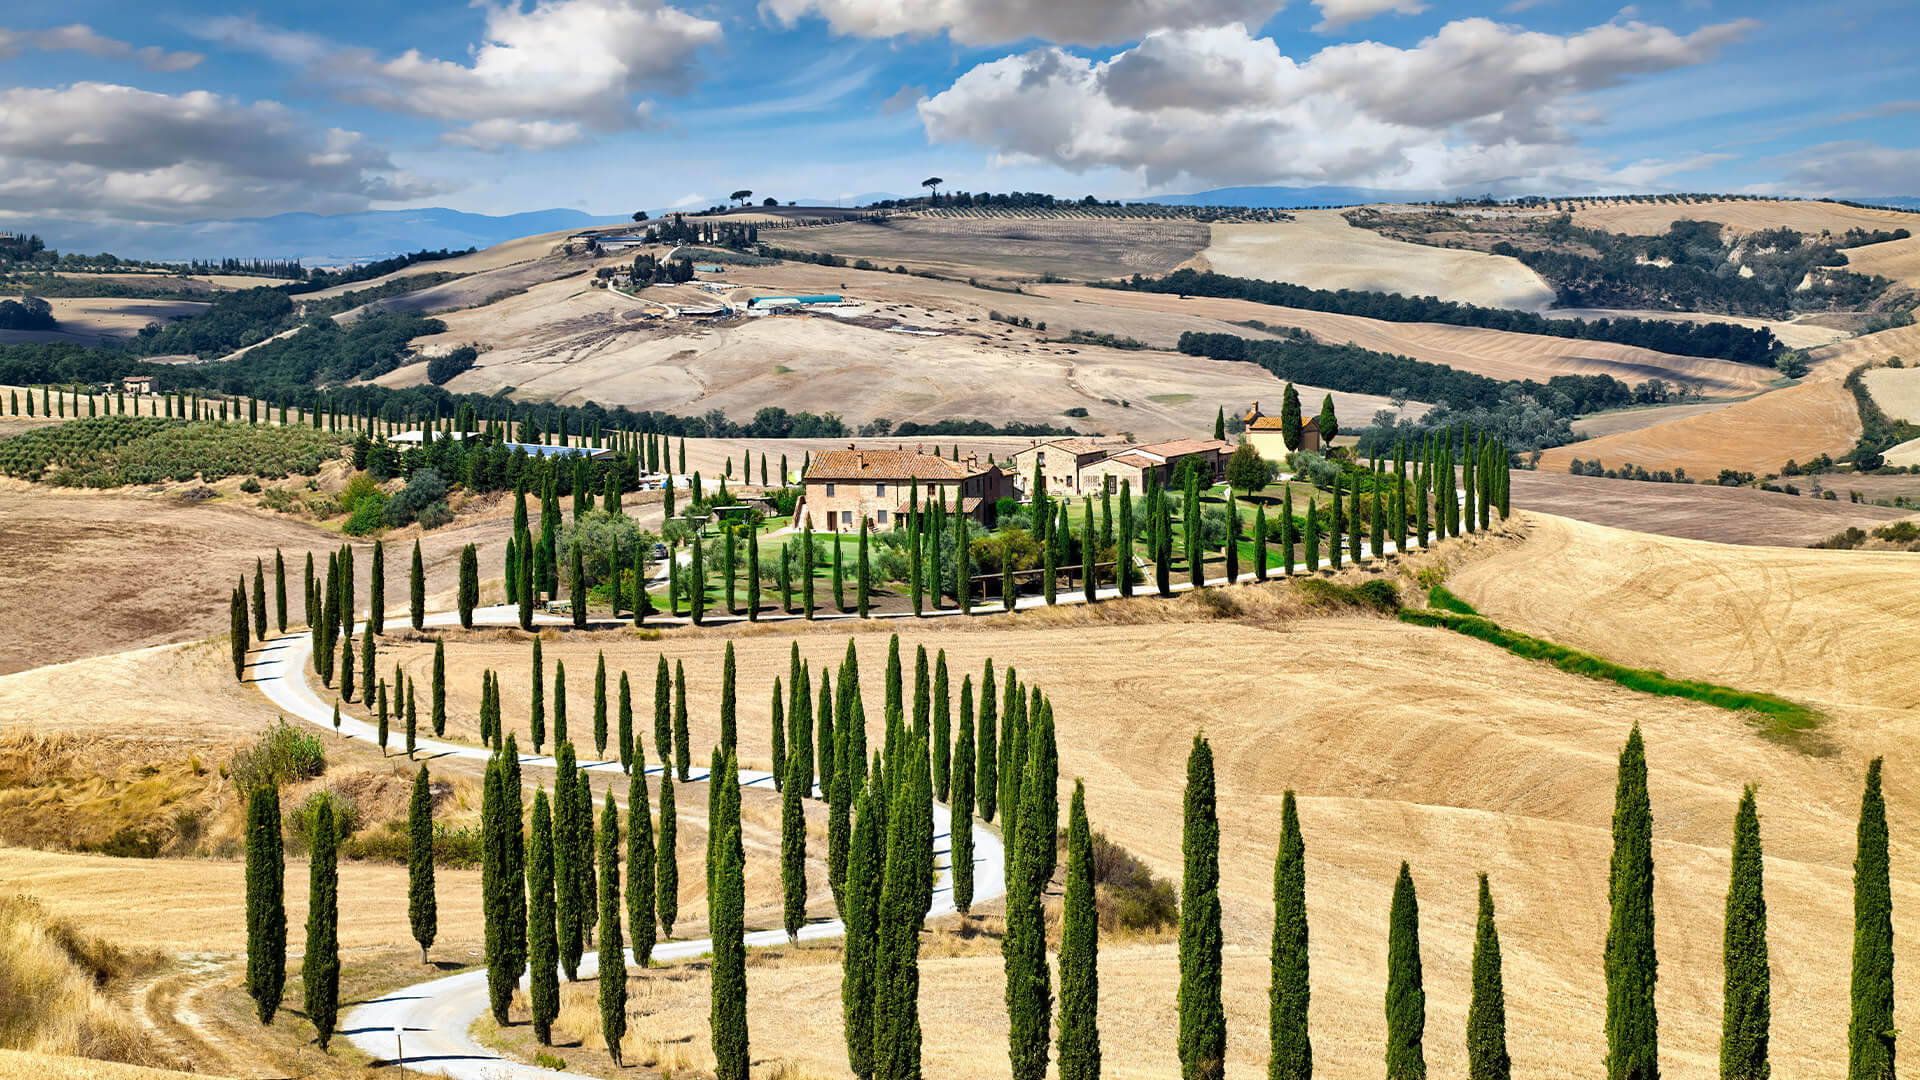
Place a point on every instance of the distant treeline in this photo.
(28, 313)
(1716, 339)
(326, 279)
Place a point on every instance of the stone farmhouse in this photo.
(847, 487)
(1264, 432)
(1060, 462)
(1162, 461)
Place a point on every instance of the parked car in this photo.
(659, 552)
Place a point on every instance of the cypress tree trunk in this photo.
(1632, 1025)
(266, 902)
(1487, 1012)
(667, 859)
(1746, 1013)
(1870, 1032)
(1203, 1022)
(600, 706)
(543, 994)
(417, 590)
(613, 961)
(423, 913)
(1079, 1052)
(320, 960)
(376, 591)
(793, 847)
(960, 829)
(640, 871)
(1406, 994)
(1289, 992)
(729, 724)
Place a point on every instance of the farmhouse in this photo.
(1059, 461)
(1264, 432)
(847, 487)
(137, 384)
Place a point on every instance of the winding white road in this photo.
(436, 1017)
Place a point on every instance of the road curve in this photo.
(436, 1017)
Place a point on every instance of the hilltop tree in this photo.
(1487, 1057)
(266, 902)
(423, 913)
(320, 958)
(931, 183)
(1871, 1031)
(1406, 993)
(1288, 992)
(1632, 1025)
(1079, 1050)
(1203, 1021)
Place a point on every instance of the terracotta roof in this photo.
(899, 465)
(1138, 461)
(1183, 447)
(1266, 423)
(1071, 446)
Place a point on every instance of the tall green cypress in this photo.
(728, 1018)
(922, 689)
(560, 703)
(266, 902)
(667, 858)
(1193, 541)
(839, 578)
(537, 702)
(512, 794)
(237, 635)
(320, 959)
(1337, 527)
(259, 600)
(663, 713)
(1870, 1031)
(1024, 948)
(682, 753)
(495, 862)
(777, 729)
(865, 574)
(377, 589)
(1406, 993)
(1487, 1012)
(417, 590)
(613, 961)
(896, 1011)
(1123, 572)
(1355, 526)
(753, 574)
(1309, 540)
(423, 912)
(413, 722)
(366, 658)
(312, 609)
(1079, 1050)
(1289, 992)
(860, 910)
(1203, 1023)
(600, 706)
(1633, 1045)
(960, 820)
(381, 720)
(793, 847)
(729, 719)
(1747, 1010)
(942, 728)
(807, 569)
(623, 726)
(640, 871)
(543, 993)
(469, 585)
(570, 900)
(439, 704)
(986, 788)
(577, 588)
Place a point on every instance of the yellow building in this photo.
(1264, 434)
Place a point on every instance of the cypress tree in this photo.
(793, 845)
(667, 859)
(1260, 542)
(237, 635)
(439, 687)
(413, 722)
(422, 907)
(525, 589)
(623, 726)
(986, 787)
(922, 690)
(312, 608)
(320, 960)
(1203, 1025)
(663, 714)
(1406, 996)
(376, 590)
(1487, 1012)
(841, 798)
(806, 569)
(266, 902)
(366, 662)
(516, 902)
(1309, 540)
(613, 961)
(1024, 949)
(682, 757)
(960, 819)
(1746, 1013)
(942, 728)
(839, 578)
(1123, 572)
(860, 910)
(897, 1034)
(729, 723)
(571, 848)
(728, 1018)
(469, 585)
(962, 568)
(753, 575)
(727, 567)
(543, 993)
(1632, 1025)
(381, 720)
(259, 601)
(1870, 1031)
(1089, 552)
(1354, 524)
(1193, 541)
(640, 870)
(865, 571)
(496, 860)
(1046, 766)
(417, 590)
(1289, 991)
(825, 745)
(537, 703)
(600, 706)
(1079, 1051)
(1337, 528)
(577, 589)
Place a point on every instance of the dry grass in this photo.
(1008, 247)
(28, 1065)
(52, 978)
(1729, 515)
(1896, 391)
(87, 321)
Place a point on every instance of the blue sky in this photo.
(179, 110)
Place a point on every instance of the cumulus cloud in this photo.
(1335, 14)
(998, 22)
(79, 37)
(97, 149)
(1853, 169)
(538, 79)
(1477, 99)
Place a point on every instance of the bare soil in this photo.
(1729, 515)
(1009, 247)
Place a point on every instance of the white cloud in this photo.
(687, 201)
(998, 22)
(1853, 170)
(539, 78)
(1476, 100)
(1335, 14)
(101, 150)
(79, 37)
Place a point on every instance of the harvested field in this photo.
(1321, 250)
(1906, 453)
(88, 321)
(1009, 247)
(1896, 391)
(478, 287)
(525, 249)
(1730, 515)
(1613, 423)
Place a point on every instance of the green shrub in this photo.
(1440, 599)
(454, 847)
(281, 753)
(1128, 896)
(545, 1060)
(369, 515)
(299, 822)
(436, 514)
(250, 486)
(1376, 594)
(424, 489)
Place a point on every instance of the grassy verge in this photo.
(1778, 719)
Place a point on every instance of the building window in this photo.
(846, 519)
(879, 489)
(829, 491)
(880, 517)
(1041, 459)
